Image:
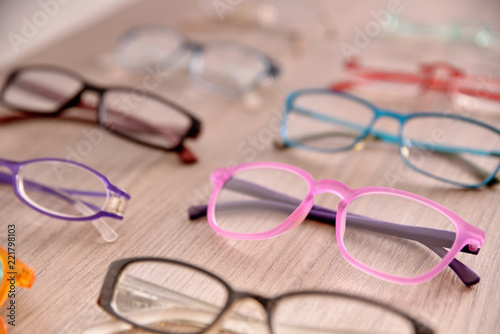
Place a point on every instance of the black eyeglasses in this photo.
(168, 296)
(47, 91)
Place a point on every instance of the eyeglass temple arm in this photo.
(403, 78)
(376, 135)
(482, 90)
(432, 238)
(392, 138)
(107, 233)
(398, 77)
(185, 154)
(479, 171)
(295, 38)
(200, 313)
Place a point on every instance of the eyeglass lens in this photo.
(41, 90)
(168, 297)
(143, 118)
(149, 46)
(437, 146)
(321, 313)
(392, 254)
(228, 65)
(239, 210)
(62, 189)
(327, 122)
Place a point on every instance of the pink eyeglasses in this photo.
(481, 91)
(390, 234)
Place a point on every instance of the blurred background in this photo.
(63, 18)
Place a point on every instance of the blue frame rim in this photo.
(402, 118)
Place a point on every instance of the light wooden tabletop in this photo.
(70, 259)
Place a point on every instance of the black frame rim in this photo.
(117, 267)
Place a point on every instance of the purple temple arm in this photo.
(434, 239)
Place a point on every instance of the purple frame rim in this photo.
(16, 166)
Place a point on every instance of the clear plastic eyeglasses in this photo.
(227, 68)
(167, 296)
(66, 190)
(257, 201)
(477, 91)
(24, 277)
(49, 91)
(448, 147)
(479, 34)
(297, 23)
(281, 38)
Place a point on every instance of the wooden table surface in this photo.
(70, 259)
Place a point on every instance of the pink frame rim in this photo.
(466, 234)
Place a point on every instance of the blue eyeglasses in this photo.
(448, 147)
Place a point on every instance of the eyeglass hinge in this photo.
(117, 204)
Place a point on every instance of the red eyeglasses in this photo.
(468, 90)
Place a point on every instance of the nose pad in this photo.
(246, 316)
(405, 151)
(361, 144)
(89, 100)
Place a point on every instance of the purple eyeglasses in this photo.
(66, 190)
(390, 234)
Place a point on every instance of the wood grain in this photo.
(70, 259)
